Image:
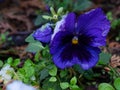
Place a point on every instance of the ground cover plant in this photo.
(58, 45)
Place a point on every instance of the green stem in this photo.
(58, 78)
(16, 75)
(114, 71)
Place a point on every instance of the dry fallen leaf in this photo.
(4, 26)
(115, 61)
(16, 16)
(32, 3)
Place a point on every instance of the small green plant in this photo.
(41, 72)
(107, 86)
(115, 24)
(3, 37)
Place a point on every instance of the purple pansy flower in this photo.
(43, 34)
(76, 40)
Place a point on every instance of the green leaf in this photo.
(39, 20)
(21, 74)
(63, 73)
(27, 71)
(40, 66)
(75, 87)
(117, 83)
(28, 63)
(73, 81)
(3, 36)
(45, 52)
(104, 58)
(105, 86)
(37, 56)
(53, 85)
(89, 74)
(115, 23)
(64, 85)
(1, 63)
(82, 5)
(34, 47)
(30, 71)
(50, 89)
(109, 16)
(53, 71)
(43, 74)
(53, 79)
(30, 39)
(16, 62)
(10, 60)
(78, 69)
(29, 68)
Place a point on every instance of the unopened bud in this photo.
(52, 11)
(60, 11)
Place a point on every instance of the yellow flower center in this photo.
(75, 40)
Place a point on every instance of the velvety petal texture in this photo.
(66, 55)
(69, 55)
(76, 40)
(70, 21)
(43, 34)
(60, 26)
(94, 24)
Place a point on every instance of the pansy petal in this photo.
(90, 30)
(85, 56)
(70, 21)
(92, 22)
(43, 34)
(88, 57)
(64, 61)
(95, 39)
(66, 55)
(59, 26)
(67, 23)
(70, 55)
(60, 39)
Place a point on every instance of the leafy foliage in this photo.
(40, 70)
(34, 46)
(78, 5)
(115, 23)
(117, 83)
(105, 86)
(104, 58)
